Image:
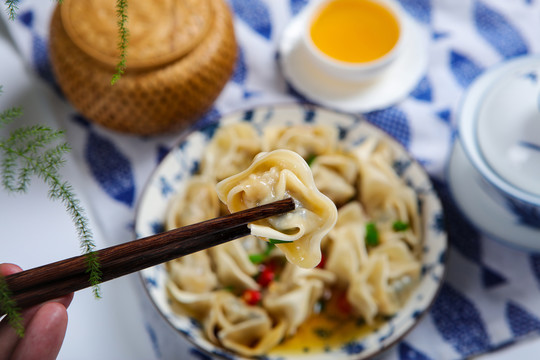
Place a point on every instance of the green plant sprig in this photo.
(31, 150)
(11, 7)
(13, 313)
(39, 151)
(123, 36)
(34, 151)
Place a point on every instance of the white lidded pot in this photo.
(499, 135)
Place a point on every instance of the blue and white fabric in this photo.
(491, 295)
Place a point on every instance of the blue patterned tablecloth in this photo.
(491, 295)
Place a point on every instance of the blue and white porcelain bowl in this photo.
(499, 133)
(180, 337)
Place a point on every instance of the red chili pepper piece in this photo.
(252, 297)
(322, 262)
(266, 276)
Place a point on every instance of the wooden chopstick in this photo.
(60, 278)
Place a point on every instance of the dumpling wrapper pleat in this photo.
(274, 176)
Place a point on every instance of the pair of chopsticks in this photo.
(60, 278)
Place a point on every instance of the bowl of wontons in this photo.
(358, 284)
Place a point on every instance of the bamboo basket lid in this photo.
(168, 89)
(159, 30)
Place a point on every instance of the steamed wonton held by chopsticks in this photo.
(277, 175)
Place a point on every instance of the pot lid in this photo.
(160, 31)
(502, 130)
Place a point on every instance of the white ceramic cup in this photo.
(349, 71)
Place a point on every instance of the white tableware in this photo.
(402, 74)
(178, 336)
(498, 153)
(480, 207)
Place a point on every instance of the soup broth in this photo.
(355, 31)
(328, 329)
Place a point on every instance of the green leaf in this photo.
(9, 307)
(12, 9)
(261, 257)
(372, 234)
(310, 159)
(123, 39)
(400, 226)
(7, 116)
(257, 258)
(276, 241)
(269, 248)
(323, 333)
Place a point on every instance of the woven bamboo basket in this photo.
(181, 54)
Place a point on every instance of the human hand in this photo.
(45, 327)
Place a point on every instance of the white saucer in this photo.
(474, 199)
(392, 86)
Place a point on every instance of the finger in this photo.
(44, 335)
(8, 336)
(65, 300)
(8, 269)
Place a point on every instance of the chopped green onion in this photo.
(310, 159)
(261, 257)
(372, 235)
(257, 258)
(400, 226)
(276, 241)
(322, 333)
(269, 248)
